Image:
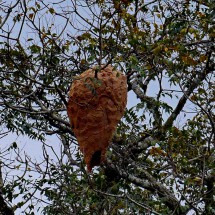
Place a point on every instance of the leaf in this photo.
(189, 60)
(202, 58)
(157, 151)
(157, 49)
(193, 97)
(158, 15)
(51, 10)
(201, 91)
(14, 145)
(31, 16)
(35, 48)
(38, 5)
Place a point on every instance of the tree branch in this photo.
(193, 84)
(151, 184)
(150, 102)
(4, 208)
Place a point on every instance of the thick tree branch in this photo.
(148, 183)
(193, 84)
(150, 102)
(209, 194)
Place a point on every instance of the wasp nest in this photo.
(95, 106)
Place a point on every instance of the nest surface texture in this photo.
(94, 108)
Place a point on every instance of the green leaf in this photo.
(35, 49)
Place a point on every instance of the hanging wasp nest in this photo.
(95, 106)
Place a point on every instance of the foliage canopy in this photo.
(161, 159)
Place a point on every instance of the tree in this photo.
(161, 159)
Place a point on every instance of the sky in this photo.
(34, 148)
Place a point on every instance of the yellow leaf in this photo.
(197, 180)
(188, 60)
(158, 15)
(43, 36)
(202, 58)
(157, 151)
(192, 30)
(155, 25)
(158, 49)
(148, 67)
(83, 61)
(201, 15)
(183, 31)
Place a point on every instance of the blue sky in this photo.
(33, 148)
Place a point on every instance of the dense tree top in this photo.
(161, 159)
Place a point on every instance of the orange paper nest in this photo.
(94, 108)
